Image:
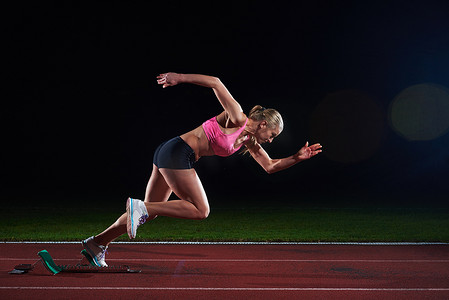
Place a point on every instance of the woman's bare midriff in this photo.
(197, 140)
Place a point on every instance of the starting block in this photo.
(53, 268)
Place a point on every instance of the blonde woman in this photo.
(173, 162)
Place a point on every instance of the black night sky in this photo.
(369, 80)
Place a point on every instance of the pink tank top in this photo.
(221, 143)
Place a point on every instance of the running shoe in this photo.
(137, 215)
(96, 252)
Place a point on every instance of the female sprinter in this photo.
(173, 162)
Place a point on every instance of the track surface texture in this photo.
(235, 272)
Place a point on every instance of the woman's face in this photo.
(264, 134)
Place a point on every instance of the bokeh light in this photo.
(420, 112)
(350, 126)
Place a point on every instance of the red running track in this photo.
(235, 272)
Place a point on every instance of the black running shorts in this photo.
(174, 154)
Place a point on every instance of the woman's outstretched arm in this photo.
(275, 165)
(230, 105)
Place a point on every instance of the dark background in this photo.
(82, 113)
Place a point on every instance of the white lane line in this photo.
(249, 260)
(245, 243)
(220, 289)
(290, 260)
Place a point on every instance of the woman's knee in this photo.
(203, 213)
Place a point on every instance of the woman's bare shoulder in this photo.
(225, 121)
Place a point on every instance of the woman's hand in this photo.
(169, 79)
(307, 151)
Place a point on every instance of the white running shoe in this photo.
(97, 252)
(137, 214)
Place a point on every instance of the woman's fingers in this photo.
(162, 79)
